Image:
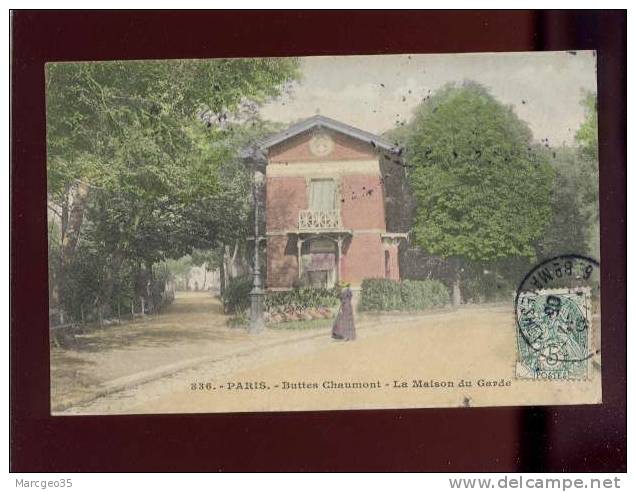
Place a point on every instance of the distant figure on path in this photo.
(343, 326)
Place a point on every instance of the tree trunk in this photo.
(227, 273)
(112, 274)
(72, 218)
(67, 243)
(457, 292)
(234, 271)
(149, 288)
(56, 277)
(222, 277)
(455, 272)
(64, 214)
(75, 220)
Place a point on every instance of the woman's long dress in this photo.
(343, 326)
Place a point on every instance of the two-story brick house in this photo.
(333, 205)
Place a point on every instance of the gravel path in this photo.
(191, 331)
(473, 343)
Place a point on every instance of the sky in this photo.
(373, 92)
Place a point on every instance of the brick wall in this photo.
(296, 149)
(282, 264)
(362, 208)
(285, 197)
(363, 258)
(362, 202)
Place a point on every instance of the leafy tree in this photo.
(587, 135)
(587, 140)
(180, 270)
(569, 228)
(481, 188)
(136, 150)
(222, 221)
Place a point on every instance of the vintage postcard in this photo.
(323, 233)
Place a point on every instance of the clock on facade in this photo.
(321, 144)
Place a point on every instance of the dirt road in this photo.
(193, 329)
(399, 362)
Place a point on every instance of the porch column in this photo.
(339, 242)
(299, 246)
(397, 262)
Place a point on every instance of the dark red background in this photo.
(570, 438)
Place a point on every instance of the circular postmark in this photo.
(553, 310)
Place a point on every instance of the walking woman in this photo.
(343, 326)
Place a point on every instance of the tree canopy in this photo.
(587, 134)
(143, 159)
(569, 227)
(587, 141)
(482, 190)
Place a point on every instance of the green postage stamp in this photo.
(553, 335)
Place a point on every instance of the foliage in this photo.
(303, 298)
(209, 258)
(587, 140)
(407, 295)
(569, 227)
(156, 143)
(83, 280)
(488, 199)
(239, 320)
(236, 295)
(180, 266)
(224, 217)
(494, 281)
(421, 295)
(482, 189)
(92, 108)
(587, 134)
(380, 295)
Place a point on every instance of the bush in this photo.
(408, 295)
(236, 296)
(239, 320)
(380, 294)
(302, 298)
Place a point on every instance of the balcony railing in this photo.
(319, 219)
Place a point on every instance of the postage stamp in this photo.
(555, 324)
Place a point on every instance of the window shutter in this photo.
(323, 194)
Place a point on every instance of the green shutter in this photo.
(323, 194)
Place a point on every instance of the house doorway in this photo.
(318, 279)
(320, 263)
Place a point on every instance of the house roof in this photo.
(319, 121)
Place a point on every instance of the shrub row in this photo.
(377, 295)
(408, 295)
(236, 298)
(301, 299)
